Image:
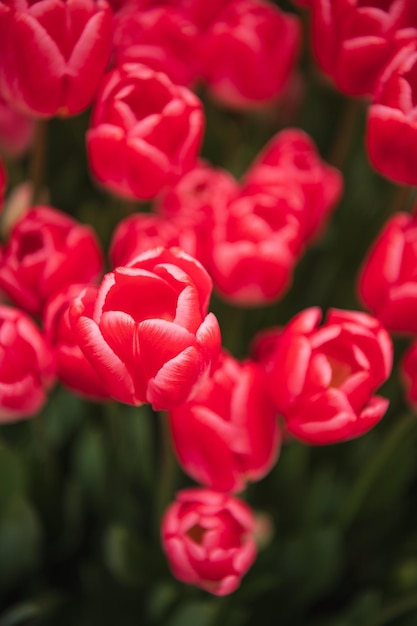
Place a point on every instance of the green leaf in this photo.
(13, 476)
(127, 556)
(20, 538)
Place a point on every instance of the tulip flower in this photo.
(248, 53)
(228, 433)
(146, 332)
(388, 279)
(208, 539)
(46, 251)
(53, 53)
(323, 379)
(27, 369)
(145, 132)
(73, 368)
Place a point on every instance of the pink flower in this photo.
(27, 369)
(322, 380)
(354, 40)
(140, 232)
(202, 191)
(291, 157)
(147, 333)
(208, 539)
(388, 279)
(53, 53)
(228, 433)
(73, 368)
(160, 37)
(46, 251)
(195, 204)
(391, 135)
(248, 52)
(255, 246)
(145, 132)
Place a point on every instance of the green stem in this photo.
(376, 465)
(38, 159)
(403, 198)
(167, 469)
(345, 132)
(396, 610)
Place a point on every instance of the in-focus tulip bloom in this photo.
(248, 52)
(53, 53)
(46, 251)
(323, 379)
(409, 374)
(354, 40)
(145, 132)
(291, 157)
(388, 279)
(27, 368)
(160, 37)
(73, 368)
(147, 333)
(391, 135)
(255, 247)
(228, 433)
(208, 539)
(16, 130)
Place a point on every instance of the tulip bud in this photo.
(208, 539)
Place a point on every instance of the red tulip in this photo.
(27, 368)
(73, 369)
(145, 132)
(228, 433)
(208, 539)
(255, 246)
(248, 52)
(388, 280)
(46, 251)
(160, 37)
(322, 379)
(291, 157)
(354, 40)
(147, 333)
(391, 136)
(53, 53)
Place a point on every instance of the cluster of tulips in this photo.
(142, 332)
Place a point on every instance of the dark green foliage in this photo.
(80, 490)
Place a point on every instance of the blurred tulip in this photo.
(53, 53)
(208, 539)
(354, 40)
(391, 135)
(27, 368)
(228, 433)
(322, 380)
(46, 251)
(291, 157)
(248, 53)
(388, 279)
